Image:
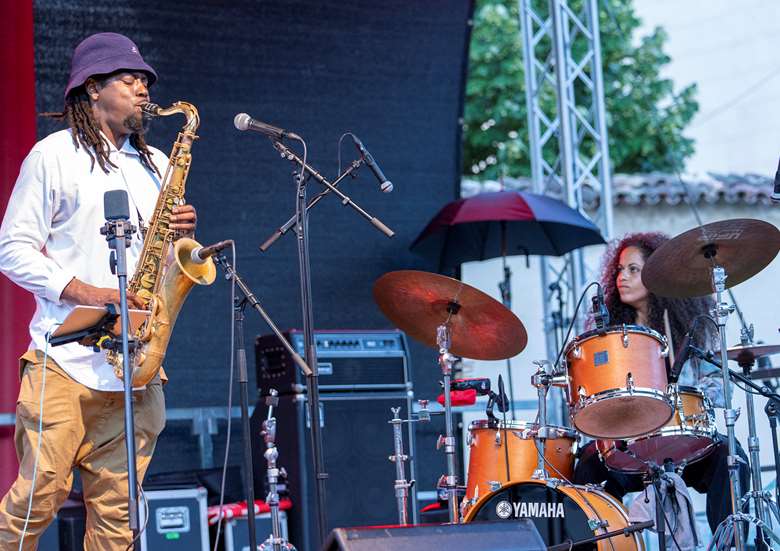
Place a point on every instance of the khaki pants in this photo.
(84, 429)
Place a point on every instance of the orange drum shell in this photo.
(643, 358)
(597, 505)
(487, 460)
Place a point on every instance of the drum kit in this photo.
(614, 379)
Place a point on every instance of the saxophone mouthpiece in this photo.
(151, 109)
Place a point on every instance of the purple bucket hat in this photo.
(104, 53)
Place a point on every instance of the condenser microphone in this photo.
(384, 184)
(242, 122)
(776, 193)
(115, 205)
(201, 254)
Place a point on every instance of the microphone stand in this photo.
(286, 153)
(312, 379)
(118, 234)
(243, 379)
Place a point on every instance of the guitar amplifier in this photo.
(348, 361)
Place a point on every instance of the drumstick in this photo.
(668, 330)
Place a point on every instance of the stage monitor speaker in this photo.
(521, 535)
(357, 440)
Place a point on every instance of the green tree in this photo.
(645, 116)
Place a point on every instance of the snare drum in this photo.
(687, 437)
(564, 513)
(488, 452)
(617, 382)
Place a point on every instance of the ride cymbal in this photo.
(418, 302)
(682, 267)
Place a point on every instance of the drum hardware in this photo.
(734, 249)
(275, 541)
(634, 527)
(401, 486)
(542, 380)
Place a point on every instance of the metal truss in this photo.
(567, 137)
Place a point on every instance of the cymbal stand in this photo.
(275, 541)
(402, 486)
(542, 381)
(448, 482)
(722, 310)
(757, 495)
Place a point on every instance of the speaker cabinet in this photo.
(357, 440)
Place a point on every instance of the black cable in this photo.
(571, 324)
(230, 399)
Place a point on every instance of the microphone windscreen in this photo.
(241, 121)
(115, 206)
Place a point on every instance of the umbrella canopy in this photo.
(500, 223)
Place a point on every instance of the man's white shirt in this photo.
(51, 234)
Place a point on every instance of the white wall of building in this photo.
(729, 48)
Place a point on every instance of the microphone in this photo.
(115, 206)
(502, 401)
(683, 353)
(600, 312)
(776, 193)
(384, 184)
(242, 122)
(201, 254)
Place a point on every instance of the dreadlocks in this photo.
(86, 132)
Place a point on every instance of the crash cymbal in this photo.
(751, 352)
(682, 267)
(481, 328)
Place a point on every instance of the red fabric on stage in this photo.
(17, 136)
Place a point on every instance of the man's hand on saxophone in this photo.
(183, 221)
(79, 292)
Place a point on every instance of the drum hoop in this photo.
(627, 328)
(621, 392)
(562, 432)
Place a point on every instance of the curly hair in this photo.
(682, 311)
(85, 130)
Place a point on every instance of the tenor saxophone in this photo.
(165, 272)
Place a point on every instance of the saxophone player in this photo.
(50, 246)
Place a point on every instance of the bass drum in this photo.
(567, 512)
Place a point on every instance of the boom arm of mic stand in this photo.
(331, 188)
(627, 531)
(230, 273)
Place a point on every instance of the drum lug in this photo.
(596, 524)
(582, 395)
(498, 438)
(470, 439)
(630, 383)
(665, 350)
(494, 485)
(577, 352)
(625, 336)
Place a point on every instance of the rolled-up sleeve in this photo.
(25, 230)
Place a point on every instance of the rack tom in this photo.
(617, 382)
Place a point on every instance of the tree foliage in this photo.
(645, 116)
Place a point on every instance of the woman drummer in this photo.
(630, 302)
